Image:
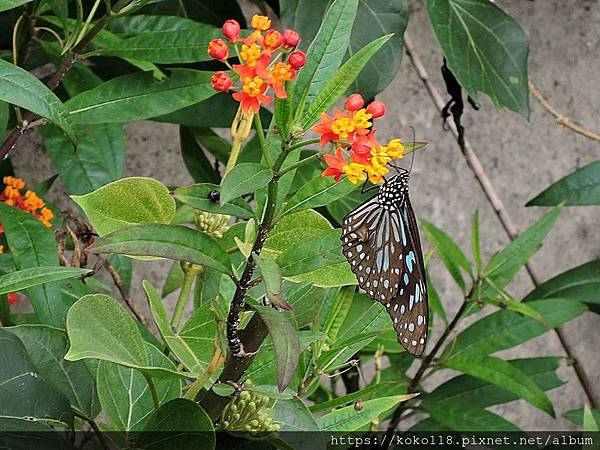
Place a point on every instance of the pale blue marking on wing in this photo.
(410, 259)
(406, 279)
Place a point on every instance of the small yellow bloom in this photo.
(260, 22)
(342, 127)
(282, 72)
(361, 119)
(250, 54)
(355, 172)
(16, 183)
(252, 86)
(395, 149)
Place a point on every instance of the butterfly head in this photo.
(394, 190)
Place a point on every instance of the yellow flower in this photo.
(395, 149)
(355, 172)
(342, 127)
(252, 86)
(361, 119)
(260, 22)
(250, 54)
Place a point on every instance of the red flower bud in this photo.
(12, 298)
(290, 38)
(221, 81)
(218, 49)
(354, 102)
(297, 59)
(231, 30)
(272, 40)
(376, 108)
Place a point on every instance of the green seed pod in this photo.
(235, 417)
(245, 395)
(232, 407)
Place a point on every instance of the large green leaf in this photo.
(319, 251)
(34, 276)
(140, 96)
(4, 116)
(486, 50)
(581, 187)
(318, 192)
(364, 316)
(166, 241)
(334, 275)
(481, 394)
(47, 346)
(336, 314)
(10, 4)
(33, 245)
(341, 81)
(98, 160)
(19, 87)
(197, 196)
(449, 252)
(505, 329)
(285, 343)
(577, 416)
(295, 228)
(194, 345)
(126, 202)
(294, 418)
(463, 416)
(325, 53)
(244, 178)
(25, 394)
(504, 265)
(125, 395)
(502, 374)
(179, 423)
(349, 419)
(581, 283)
(373, 20)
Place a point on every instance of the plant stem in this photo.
(299, 164)
(103, 442)
(124, 293)
(184, 294)
(492, 196)
(153, 391)
(304, 144)
(260, 132)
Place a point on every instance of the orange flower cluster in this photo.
(30, 202)
(352, 132)
(266, 57)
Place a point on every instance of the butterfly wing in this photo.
(383, 248)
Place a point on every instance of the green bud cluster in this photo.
(249, 412)
(211, 223)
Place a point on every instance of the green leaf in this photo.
(449, 252)
(194, 345)
(375, 19)
(365, 316)
(4, 116)
(19, 87)
(179, 423)
(294, 418)
(10, 4)
(33, 245)
(503, 374)
(271, 277)
(98, 160)
(197, 197)
(34, 276)
(486, 50)
(348, 419)
(198, 165)
(581, 283)
(434, 301)
(166, 241)
(577, 416)
(504, 265)
(319, 251)
(285, 343)
(341, 81)
(481, 394)
(462, 416)
(339, 310)
(47, 347)
(334, 275)
(126, 202)
(293, 229)
(325, 53)
(343, 351)
(305, 300)
(24, 394)
(185, 43)
(244, 178)
(369, 392)
(505, 329)
(125, 396)
(318, 192)
(98, 327)
(140, 96)
(174, 279)
(581, 187)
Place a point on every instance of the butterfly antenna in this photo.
(412, 156)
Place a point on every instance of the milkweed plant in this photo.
(269, 332)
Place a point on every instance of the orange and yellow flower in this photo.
(29, 203)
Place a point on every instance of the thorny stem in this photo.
(11, 139)
(492, 196)
(252, 336)
(184, 294)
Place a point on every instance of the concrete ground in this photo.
(521, 159)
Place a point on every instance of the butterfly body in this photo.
(380, 240)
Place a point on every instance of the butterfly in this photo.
(380, 240)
